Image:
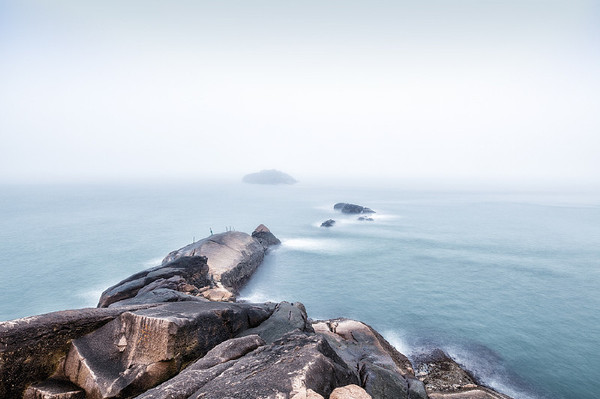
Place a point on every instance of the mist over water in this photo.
(506, 283)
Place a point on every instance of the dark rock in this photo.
(141, 349)
(445, 379)
(265, 237)
(54, 389)
(196, 375)
(271, 176)
(328, 223)
(178, 273)
(32, 348)
(285, 318)
(159, 295)
(384, 372)
(365, 219)
(352, 208)
(298, 362)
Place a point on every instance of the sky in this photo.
(141, 90)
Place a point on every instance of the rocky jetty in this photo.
(271, 176)
(352, 208)
(158, 334)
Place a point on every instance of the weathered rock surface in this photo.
(207, 368)
(32, 348)
(141, 349)
(351, 208)
(232, 257)
(270, 176)
(286, 317)
(383, 371)
(54, 389)
(178, 275)
(349, 392)
(328, 223)
(445, 379)
(265, 237)
(296, 363)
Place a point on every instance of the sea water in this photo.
(506, 283)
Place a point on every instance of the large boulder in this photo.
(271, 176)
(352, 208)
(196, 375)
(141, 349)
(265, 237)
(33, 348)
(383, 371)
(285, 318)
(328, 223)
(296, 363)
(184, 274)
(232, 257)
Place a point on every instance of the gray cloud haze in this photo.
(430, 89)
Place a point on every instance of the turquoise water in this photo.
(507, 283)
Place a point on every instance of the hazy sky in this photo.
(422, 89)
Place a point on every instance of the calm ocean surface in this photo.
(508, 284)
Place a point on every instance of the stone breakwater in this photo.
(176, 331)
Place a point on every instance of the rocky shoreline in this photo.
(176, 331)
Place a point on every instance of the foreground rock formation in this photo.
(271, 176)
(157, 335)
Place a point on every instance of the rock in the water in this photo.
(265, 237)
(328, 223)
(445, 379)
(365, 219)
(54, 389)
(384, 372)
(271, 176)
(285, 318)
(32, 348)
(349, 392)
(141, 349)
(352, 208)
(296, 363)
(175, 275)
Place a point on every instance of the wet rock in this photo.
(352, 208)
(141, 349)
(175, 275)
(54, 389)
(265, 237)
(32, 348)
(445, 379)
(328, 223)
(349, 392)
(365, 219)
(383, 371)
(295, 364)
(285, 318)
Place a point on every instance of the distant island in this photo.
(271, 176)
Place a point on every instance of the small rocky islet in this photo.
(176, 331)
(350, 209)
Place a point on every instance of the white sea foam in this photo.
(488, 371)
(398, 341)
(312, 244)
(259, 296)
(153, 262)
(90, 297)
